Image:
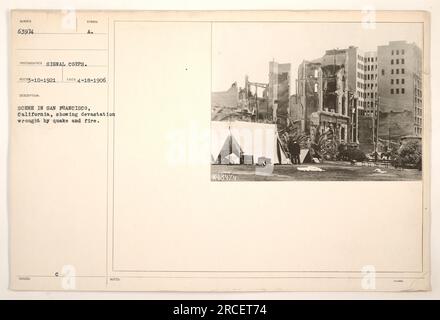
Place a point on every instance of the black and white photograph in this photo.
(316, 101)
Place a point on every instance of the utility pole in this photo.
(354, 122)
(267, 102)
(256, 102)
(389, 138)
(257, 85)
(373, 117)
(352, 119)
(247, 101)
(389, 135)
(377, 123)
(304, 90)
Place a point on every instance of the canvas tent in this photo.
(230, 148)
(231, 159)
(304, 156)
(245, 140)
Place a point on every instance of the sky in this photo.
(246, 48)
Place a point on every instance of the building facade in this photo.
(400, 84)
(354, 62)
(370, 83)
(322, 104)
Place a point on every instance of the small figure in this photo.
(294, 150)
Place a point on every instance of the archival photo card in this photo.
(219, 151)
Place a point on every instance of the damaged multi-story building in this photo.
(363, 97)
(324, 102)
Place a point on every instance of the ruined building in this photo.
(279, 92)
(261, 102)
(323, 101)
(254, 98)
(376, 96)
(232, 104)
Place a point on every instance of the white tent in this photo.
(232, 159)
(250, 138)
(230, 147)
(304, 156)
(219, 133)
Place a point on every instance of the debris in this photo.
(379, 170)
(315, 160)
(232, 159)
(310, 168)
(262, 161)
(266, 170)
(248, 159)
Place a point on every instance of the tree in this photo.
(409, 154)
(325, 145)
(350, 154)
